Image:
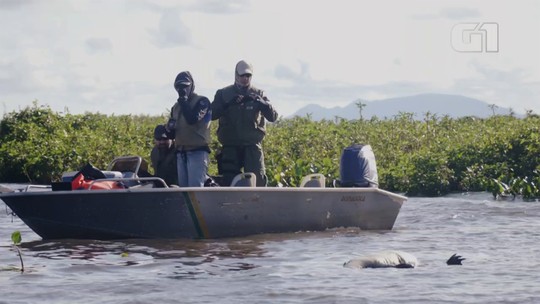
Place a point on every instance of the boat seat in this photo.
(247, 179)
(128, 164)
(315, 180)
(128, 174)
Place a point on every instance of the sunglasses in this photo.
(246, 75)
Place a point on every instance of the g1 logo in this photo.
(476, 37)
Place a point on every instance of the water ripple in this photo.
(496, 238)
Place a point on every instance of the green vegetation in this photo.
(37, 145)
(430, 156)
(17, 239)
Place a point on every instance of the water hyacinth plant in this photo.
(418, 156)
(16, 238)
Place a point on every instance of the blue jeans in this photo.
(192, 168)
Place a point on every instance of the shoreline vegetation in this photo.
(417, 156)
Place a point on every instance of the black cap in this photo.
(160, 132)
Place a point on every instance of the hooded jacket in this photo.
(192, 114)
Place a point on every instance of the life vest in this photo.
(190, 137)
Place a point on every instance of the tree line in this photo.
(426, 156)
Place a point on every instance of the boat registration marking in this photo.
(353, 198)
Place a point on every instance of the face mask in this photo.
(183, 92)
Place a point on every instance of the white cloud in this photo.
(122, 56)
(172, 32)
(98, 45)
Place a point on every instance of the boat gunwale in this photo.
(208, 189)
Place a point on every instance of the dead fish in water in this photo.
(455, 260)
(394, 259)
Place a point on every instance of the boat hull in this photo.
(201, 212)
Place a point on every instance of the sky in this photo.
(121, 56)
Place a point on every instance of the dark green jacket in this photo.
(164, 164)
(244, 123)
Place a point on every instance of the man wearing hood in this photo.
(190, 126)
(242, 110)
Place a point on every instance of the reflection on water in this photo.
(185, 259)
(137, 252)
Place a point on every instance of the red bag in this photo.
(81, 183)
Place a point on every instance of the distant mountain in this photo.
(440, 104)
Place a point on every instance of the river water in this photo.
(499, 239)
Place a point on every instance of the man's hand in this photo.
(170, 128)
(261, 99)
(236, 99)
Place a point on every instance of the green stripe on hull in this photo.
(196, 215)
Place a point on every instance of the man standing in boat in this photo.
(242, 110)
(190, 124)
(163, 156)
